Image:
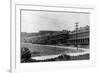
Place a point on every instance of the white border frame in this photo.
(16, 67)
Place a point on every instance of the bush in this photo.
(25, 54)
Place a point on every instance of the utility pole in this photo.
(76, 35)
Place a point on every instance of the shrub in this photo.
(25, 54)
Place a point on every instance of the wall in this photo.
(5, 36)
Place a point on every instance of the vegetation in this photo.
(25, 55)
(63, 57)
(47, 38)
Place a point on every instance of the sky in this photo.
(34, 21)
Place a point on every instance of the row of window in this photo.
(80, 41)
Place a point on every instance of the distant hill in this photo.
(24, 34)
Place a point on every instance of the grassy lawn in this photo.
(42, 50)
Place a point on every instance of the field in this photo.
(44, 50)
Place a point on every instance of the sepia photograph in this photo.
(52, 36)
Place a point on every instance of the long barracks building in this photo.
(80, 37)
